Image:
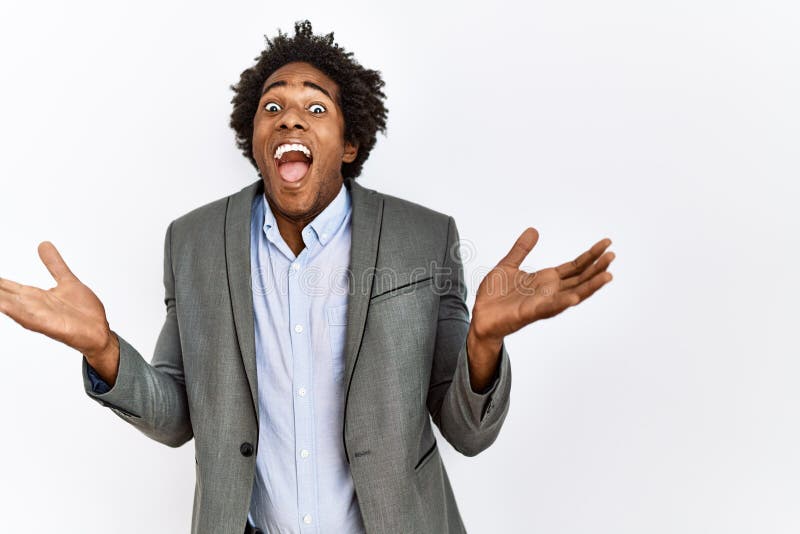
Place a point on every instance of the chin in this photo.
(290, 198)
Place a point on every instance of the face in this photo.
(299, 121)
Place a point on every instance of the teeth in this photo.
(288, 147)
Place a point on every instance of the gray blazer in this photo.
(405, 351)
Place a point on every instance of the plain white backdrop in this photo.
(667, 403)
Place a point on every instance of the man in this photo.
(314, 327)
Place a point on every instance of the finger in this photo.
(9, 286)
(576, 266)
(11, 298)
(54, 262)
(7, 298)
(586, 289)
(22, 305)
(524, 244)
(598, 267)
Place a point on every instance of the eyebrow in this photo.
(312, 85)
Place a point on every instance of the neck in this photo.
(291, 226)
(292, 232)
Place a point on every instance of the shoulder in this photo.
(400, 210)
(203, 215)
(412, 231)
(209, 219)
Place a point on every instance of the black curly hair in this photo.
(360, 90)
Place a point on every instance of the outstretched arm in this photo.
(509, 299)
(470, 384)
(468, 417)
(151, 397)
(70, 313)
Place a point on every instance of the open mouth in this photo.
(293, 161)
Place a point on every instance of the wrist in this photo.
(105, 351)
(483, 357)
(485, 344)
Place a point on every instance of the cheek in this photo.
(261, 124)
(258, 129)
(334, 139)
(259, 136)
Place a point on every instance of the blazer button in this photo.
(246, 449)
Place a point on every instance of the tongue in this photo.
(293, 171)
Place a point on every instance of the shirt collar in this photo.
(325, 225)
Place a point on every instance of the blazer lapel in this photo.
(365, 231)
(237, 256)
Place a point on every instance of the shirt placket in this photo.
(302, 373)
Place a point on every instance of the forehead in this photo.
(297, 73)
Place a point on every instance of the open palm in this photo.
(509, 298)
(70, 312)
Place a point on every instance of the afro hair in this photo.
(361, 97)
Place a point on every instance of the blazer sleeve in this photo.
(151, 396)
(469, 420)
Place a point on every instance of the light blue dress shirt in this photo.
(302, 482)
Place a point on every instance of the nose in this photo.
(291, 119)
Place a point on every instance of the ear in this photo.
(350, 152)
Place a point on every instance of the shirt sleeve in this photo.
(98, 384)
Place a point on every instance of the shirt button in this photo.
(301, 392)
(304, 453)
(295, 266)
(324, 235)
(298, 328)
(307, 519)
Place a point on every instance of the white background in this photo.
(667, 403)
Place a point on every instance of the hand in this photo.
(70, 312)
(509, 298)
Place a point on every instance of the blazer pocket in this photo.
(402, 290)
(426, 457)
(337, 331)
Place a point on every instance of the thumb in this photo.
(54, 262)
(521, 248)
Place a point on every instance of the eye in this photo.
(272, 107)
(317, 108)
